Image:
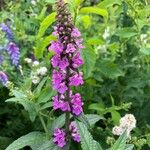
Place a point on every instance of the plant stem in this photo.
(43, 124)
(67, 119)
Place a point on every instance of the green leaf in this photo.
(89, 57)
(115, 116)
(41, 45)
(94, 10)
(48, 145)
(58, 122)
(87, 142)
(126, 32)
(129, 147)
(40, 86)
(145, 50)
(120, 144)
(109, 69)
(93, 118)
(86, 21)
(97, 107)
(107, 3)
(27, 140)
(27, 104)
(45, 24)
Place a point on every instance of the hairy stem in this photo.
(43, 124)
(67, 119)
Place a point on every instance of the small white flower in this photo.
(33, 2)
(143, 38)
(28, 60)
(35, 80)
(127, 123)
(117, 130)
(106, 33)
(42, 71)
(35, 63)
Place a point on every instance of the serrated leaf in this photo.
(27, 104)
(48, 145)
(120, 144)
(87, 142)
(27, 140)
(93, 118)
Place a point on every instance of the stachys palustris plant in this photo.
(66, 61)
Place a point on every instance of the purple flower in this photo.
(70, 48)
(77, 60)
(74, 132)
(14, 53)
(59, 103)
(63, 63)
(76, 104)
(5, 28)
(57, 78)
(62, 88)
(76, 79)
(3, 78)
(79, 43)
(56, 46)
(75, 32)
(59, 137)
(55, 61)
(64, 106)
(56, 103)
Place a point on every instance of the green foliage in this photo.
(116, 37)
(27, 140)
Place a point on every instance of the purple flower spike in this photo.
(5, 28)
(66, 61)
(3, 78)
(59, 137)
(14, 53)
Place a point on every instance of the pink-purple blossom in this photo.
(75, 32)
(57, 78)
(59, 137)
(56, 46)
(74, 132)
(76, 104)
(70, 48)
(77, 60)
(76, 79)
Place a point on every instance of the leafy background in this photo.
(116, 69)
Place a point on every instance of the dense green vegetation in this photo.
(116, 36)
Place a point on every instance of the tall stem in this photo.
(43, 124)
(67, 119)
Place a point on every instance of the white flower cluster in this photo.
(127, 123)
(144, 38)
(37, 70)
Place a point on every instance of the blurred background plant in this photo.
(116, 36)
